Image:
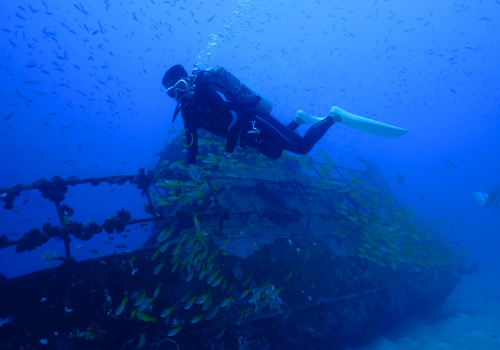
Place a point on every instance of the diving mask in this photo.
(178, 89)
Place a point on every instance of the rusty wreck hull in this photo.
(332, 299)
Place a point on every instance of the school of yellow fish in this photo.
(389, 237)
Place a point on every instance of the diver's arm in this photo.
(232, 139)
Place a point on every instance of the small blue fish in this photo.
(146, 318)
(217, 281)
(174, 331)
(197, 319)
(185, 297)
(157, 291)
(221, 333)
(164, 247)
(177, 249)
(141, 299)
(190, 303)
(246, 281)
(8, 320)
(244, 294)
(158, 268)
(167, 311)
(206, 304)
(226, 302)
(212, 313)
(121, 307)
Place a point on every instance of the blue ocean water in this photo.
(81, 95)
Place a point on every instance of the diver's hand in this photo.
(193, 173)
(226, 163)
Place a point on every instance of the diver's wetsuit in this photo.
(278, 138)
(213, 111)
(209, 110)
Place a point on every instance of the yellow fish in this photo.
(174, 331)
(121, 307)
(143, 317)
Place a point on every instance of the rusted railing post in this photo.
(148, 196)
(66, 238)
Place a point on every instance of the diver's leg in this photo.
(276, 133)
(293, 125)
(303, 118)
(284, 137)
(313, 135)
(271, 151)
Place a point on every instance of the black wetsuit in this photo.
(209, 110)
(277, 138)
(215, 112)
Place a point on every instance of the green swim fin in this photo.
(366, 125)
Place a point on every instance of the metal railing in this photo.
(55, 191)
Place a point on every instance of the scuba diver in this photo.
(215, 100)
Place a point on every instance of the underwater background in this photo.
(81, 95)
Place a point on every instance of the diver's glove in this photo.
(226, 163)
(193, 173)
